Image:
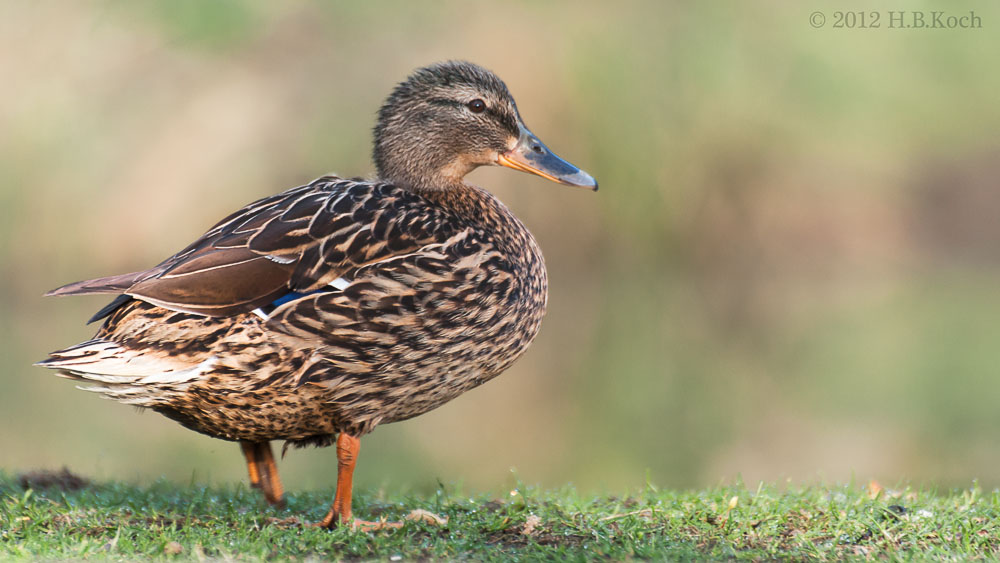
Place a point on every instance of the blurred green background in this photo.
(792, 269)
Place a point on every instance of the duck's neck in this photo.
(484, 210)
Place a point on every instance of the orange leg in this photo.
(250, 453)
(263, 471)
(340, 512)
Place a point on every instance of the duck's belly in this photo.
(267, 414)
(321, 398)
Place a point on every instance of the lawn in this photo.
(58, 515)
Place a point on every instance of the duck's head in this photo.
(449, 118)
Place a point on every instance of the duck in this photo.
(315, 315)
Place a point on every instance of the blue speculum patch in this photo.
(291, 296)
(266, 310)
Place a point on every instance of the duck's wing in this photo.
(428, 299)
(298, 241)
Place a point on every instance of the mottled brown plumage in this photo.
(340, 305)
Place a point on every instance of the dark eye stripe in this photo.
(506, 119)
(445, 102)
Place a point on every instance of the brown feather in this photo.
(218, 283)
(110, 284)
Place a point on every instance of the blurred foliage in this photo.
(791, 268)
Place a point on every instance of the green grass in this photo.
(165, 520)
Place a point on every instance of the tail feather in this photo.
(111, 284)
(127, 375)
(110, 307)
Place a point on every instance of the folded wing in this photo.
(298, 241)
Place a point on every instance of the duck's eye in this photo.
(476, 106)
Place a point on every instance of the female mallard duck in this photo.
(319, 313)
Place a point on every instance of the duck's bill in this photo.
(531, 155)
